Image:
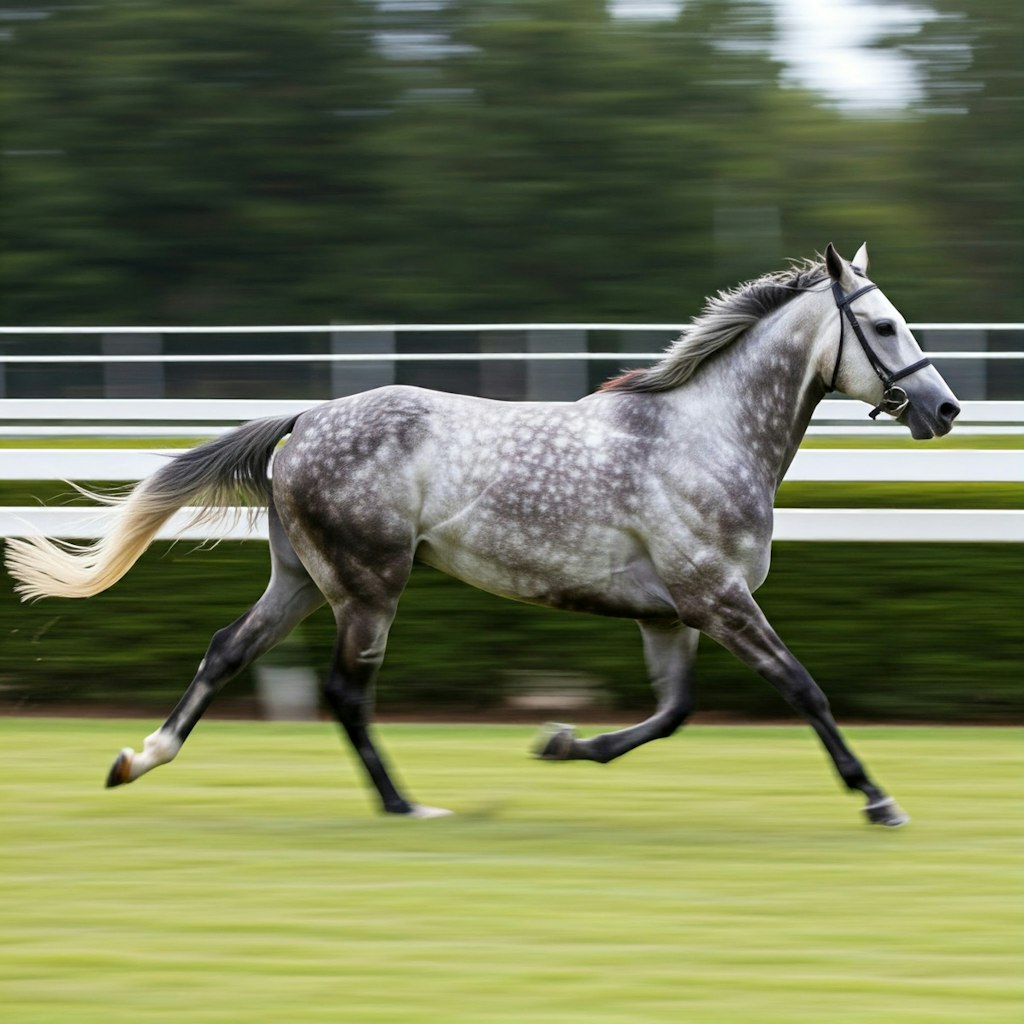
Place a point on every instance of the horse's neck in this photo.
(765, 393)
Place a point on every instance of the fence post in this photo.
(499, 379)
(132, 380)
(968, 379)
(351, 378)
(556, 381)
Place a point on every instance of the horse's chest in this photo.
(699, 525)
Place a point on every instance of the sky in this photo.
(823, 42)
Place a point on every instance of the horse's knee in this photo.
(673, 718)
(807, 697)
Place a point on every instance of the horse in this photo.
(651, 499)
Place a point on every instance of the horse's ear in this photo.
(834, 263)
(860, 261)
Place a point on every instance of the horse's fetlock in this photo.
(160, 747)
(598, 749)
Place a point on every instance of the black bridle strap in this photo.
(890, 398)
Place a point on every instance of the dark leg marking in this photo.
(362, 637)
(289, 598)
(669, 650)
(741, 628)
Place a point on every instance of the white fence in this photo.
(898, 465)
(186, 417)
(154, 418)
(536, 361)
(190, 418)
(791, 524)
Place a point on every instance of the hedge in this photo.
(898, 632)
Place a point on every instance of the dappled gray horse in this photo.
(651, 499)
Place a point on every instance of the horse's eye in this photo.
(885, 328)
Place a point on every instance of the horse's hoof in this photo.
(886, 812)
(555, 742)
(424, 812)
(121, 770)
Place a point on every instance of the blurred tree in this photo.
(568, 163)
(970, 156)
(187, 162)
(251, 161)
(254, 161)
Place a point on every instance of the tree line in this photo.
(250, 161)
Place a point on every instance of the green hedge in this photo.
(891, 631)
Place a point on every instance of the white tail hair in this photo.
(230, 469)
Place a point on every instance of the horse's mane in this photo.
(724, 318)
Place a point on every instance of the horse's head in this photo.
(875, 357)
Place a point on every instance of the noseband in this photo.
(894, 399)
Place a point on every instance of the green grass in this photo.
(954, 440)
(869, 494)
(715, 878)
(797, 494)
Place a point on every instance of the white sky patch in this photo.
(825, 45)
(646, 10)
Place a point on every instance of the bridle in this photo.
(894, 399)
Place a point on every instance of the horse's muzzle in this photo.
(948, 412)
(932, 423)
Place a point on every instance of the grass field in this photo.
(718, 877)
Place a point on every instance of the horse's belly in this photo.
(625, 589)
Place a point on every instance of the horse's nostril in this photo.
(949, 411)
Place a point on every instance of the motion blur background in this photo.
(258, 162)
(253, 162)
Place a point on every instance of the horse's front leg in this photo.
(669, 651)
(736, 621)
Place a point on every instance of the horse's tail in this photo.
(226, 471)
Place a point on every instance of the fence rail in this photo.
(811, 464)
(255, 358)
(532, 361)
(193, 417)
(156, 417)
(429, 328)
(791, 524)
(237, 410)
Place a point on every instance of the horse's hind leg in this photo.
(290, 596)
(669, 650)
(362, 637)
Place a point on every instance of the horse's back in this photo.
(399, 445)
